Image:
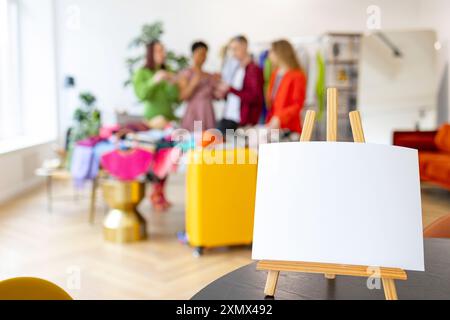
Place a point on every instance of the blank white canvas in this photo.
(344, 203)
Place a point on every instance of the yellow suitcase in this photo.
(220, 198)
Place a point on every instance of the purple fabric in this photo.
(86, 161)
(81, 166)
(100, 149)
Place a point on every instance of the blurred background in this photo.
(72, 64)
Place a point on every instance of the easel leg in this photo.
(390, 290)
(330, 276)
(271, 284)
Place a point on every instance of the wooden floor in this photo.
(435, 203)
(62, 245)
(56, 246)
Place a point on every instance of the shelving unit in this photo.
(342, 56)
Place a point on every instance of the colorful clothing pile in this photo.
(85, 161)
(91, 154)
(127, 165)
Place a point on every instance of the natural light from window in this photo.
(27, 74)
(9, 83)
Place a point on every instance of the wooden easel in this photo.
(387, 275)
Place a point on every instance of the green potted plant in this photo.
(86, 122)
(87, 118)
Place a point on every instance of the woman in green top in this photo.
(155, 86)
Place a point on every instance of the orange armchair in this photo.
(434, 153)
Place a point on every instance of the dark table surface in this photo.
(248, 284)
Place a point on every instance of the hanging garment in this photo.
(85, 162)
(154, 135)
(127, 166)
(100, 149)
(266, 66)
(81, 167)
(263, 56)
(165, 161)
(107, 131)
(320, 84)
(89, 142)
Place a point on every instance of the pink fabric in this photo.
(107, 131)
(127, 166)
(166, 161)
(89, 142)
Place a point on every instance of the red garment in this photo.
(251, 95)
(289, 99)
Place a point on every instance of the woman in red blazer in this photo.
(287, 89)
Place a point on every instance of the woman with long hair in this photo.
(287, 89)
(156, 88)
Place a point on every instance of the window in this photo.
(10, 106)
(28, 91)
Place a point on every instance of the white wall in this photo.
(396, 93)
(95, 51)
(17, 170)
(435, 14)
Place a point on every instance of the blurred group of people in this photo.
(240, 84)
(273, 99)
